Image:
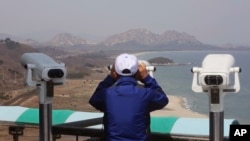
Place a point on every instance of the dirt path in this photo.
(21, 98)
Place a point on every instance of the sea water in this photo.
(177, 80)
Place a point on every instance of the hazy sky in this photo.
(210, 21)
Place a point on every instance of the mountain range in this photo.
(137, 39)
(144, 36)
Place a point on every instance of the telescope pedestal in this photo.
(45, 110)
(216, 126)
(216, 115)
(45, 122)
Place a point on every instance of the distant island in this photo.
(162, 61)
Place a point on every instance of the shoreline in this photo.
(176, 108)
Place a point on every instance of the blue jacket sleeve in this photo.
(157, 97)
(97, 99)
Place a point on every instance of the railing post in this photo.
(16, 131)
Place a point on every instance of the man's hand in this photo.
(113, 73)
(142, 72)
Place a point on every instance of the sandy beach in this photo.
(175, 108)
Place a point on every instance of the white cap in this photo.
(126, 64)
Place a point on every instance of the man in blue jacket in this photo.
(125, 103)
